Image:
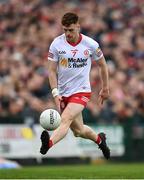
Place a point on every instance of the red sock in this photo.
(50, 143)
(98, 140)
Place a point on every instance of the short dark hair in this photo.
(69, 18)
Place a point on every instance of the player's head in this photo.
(71, 26)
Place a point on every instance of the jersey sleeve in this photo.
(52, 53)
(96, 51)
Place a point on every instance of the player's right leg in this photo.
(68, 115)
(84, 131)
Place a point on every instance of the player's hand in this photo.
(57, 101)
(103, 95)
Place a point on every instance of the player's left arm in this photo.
(98, 56)
(103, 69)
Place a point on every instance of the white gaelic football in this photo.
(50, 119)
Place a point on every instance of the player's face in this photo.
(72, 32)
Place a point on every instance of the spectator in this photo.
(27, 27)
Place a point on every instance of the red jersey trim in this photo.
(79, 40)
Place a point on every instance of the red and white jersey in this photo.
(74, 63)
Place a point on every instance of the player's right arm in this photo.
(52, 74)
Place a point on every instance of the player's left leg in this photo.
(84, 131)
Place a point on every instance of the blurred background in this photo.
(27, 28)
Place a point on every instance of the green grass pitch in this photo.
(98, 171)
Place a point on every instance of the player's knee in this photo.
(78, 132)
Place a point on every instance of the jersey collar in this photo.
(74, 44)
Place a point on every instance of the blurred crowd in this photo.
(27, 28)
